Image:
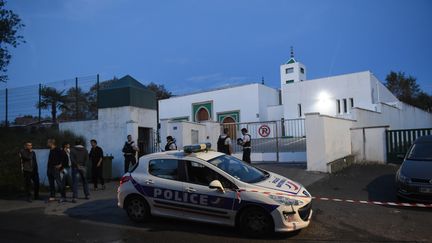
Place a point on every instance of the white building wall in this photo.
(320, 95)
(275, 113)
(328, 139)
(243, 98)
(405, 117)
(111, 129)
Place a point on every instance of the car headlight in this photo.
(286, 201)
(403, 178)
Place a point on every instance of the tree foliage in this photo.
(406, 89)
(52, 99)
(160, 90)
(10, 24)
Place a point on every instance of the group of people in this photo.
(64, 166)
(224, 144)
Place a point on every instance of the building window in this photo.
(289, 81)
(302, 70)
(289, 70)
(299, 108)
(338, 108)
(345, 107)
(351, 102)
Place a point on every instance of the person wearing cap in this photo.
(170, 145)
(246, 144)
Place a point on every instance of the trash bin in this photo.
(107, 167)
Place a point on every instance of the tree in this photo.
(70, 110)
(160, 90)
(406, 89)
(10, 23)
(52, 99)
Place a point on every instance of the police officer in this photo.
(129, 151)
(246, 143)
(170, 145)
(224, 142)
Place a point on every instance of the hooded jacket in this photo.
(79, 156)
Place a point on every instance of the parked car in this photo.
(414, 177)
(202, 185)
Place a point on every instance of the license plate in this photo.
(425, 190)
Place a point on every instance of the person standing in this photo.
(79, 158)
(129, 151)
(246, 143)
(224, 142)
(67, 172)
(96, 157)
(170, 145)
(29, 169)
(54, 167)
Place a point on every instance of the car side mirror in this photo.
(216, 184)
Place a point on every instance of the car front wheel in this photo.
(255, 222)
(137, 209)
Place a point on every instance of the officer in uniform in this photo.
(170, 145)
(129, 151)
(245, 141)
(224, 142)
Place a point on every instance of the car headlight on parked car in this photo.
(402, 178)
(286, 201)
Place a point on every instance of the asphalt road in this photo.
(99, 220)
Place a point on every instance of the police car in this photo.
(203, 185)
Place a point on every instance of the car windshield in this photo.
(239, 169)
(420, 151)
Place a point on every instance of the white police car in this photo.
(202, 185)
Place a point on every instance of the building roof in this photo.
(220, 88)
(125, 82)
(291, 60)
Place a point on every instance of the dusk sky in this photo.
(194, 45)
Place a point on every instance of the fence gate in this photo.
(271, 136)
(399, 141)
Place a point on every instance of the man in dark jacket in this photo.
(129, 151)
(30, 170)
(96, 157)
(54, 168)
(79, 159)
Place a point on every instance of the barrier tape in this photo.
(397, 204)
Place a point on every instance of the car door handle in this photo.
(149, 181)
(190, 189)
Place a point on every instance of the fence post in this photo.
(39, 106)
(76, 99)
(6, 108)
(277, 144)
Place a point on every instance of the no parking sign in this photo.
(264, 131)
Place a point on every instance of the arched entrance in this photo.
(231, 127)
(202, 115)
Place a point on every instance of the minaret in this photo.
(292, 71)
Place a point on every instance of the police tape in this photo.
(395, 204)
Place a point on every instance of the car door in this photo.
(165, 187)
(204, 203)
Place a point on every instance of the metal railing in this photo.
(270, 136)
(66, 100)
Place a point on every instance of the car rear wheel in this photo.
(255, 222)
(137, 209)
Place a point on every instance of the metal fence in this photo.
(398, 142)
(49, 103)
(271, 136)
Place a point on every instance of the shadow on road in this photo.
(106, 211)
